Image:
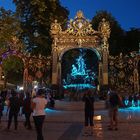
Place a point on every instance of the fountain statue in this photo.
(80, 77)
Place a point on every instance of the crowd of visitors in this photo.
(17, 103)
(20, 103)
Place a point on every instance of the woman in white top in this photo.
(38, 105)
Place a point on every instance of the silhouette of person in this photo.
(88, 99)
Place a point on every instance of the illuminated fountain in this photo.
(80, 77)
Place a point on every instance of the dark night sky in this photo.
(126, 12)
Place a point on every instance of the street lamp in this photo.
(36, 34)
(2, 76)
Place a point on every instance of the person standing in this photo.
(38, 105)
(88, 99)
(14, 108)
(114, 102)
(26, 110)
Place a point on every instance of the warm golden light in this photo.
(98, 118)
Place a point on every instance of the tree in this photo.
(13, 70)
(9, 27)
(36, 17)
(116, 40)
(132, 40)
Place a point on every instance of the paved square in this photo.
(65, 122)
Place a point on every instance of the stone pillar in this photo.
(104, 28)
(105, 66)
(100, 73)
(60, 79)
(55, 32)
(54, 68)
(136, 80)
(59, 72)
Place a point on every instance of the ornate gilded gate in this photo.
(124, 73)
(79, 34)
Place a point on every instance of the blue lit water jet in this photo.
(136, 109)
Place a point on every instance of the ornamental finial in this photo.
(55, 28)
(79, 14)
(104, 28)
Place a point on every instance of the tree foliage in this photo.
(132, 40)
(13, 69)
(116, 41)
(36, 17)
(9, 27)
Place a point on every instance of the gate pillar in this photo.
(54, 68)
(136, 81)
(55, 31)
(100, 73)
(105, 66)
(104, 28)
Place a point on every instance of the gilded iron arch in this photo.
(80, 34)
(99, 55)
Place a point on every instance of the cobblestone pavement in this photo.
(61, 124)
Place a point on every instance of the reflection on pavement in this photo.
(130, 113)
(98, 130)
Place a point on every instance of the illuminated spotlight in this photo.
(98, 118)
(35, 86)
(35, 82)
(21, 88)
(2, 77)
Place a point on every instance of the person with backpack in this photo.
(114, 102)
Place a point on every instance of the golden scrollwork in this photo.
(80, 26)
(80, 14)
(104, 28)
(125, 72)
(55, 28)
(79, 32)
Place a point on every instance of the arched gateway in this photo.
(79, 34)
